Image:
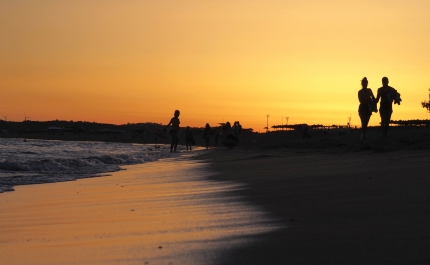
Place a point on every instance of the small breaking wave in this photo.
(83, 160)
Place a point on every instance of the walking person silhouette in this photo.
(367, 101)
(174, 131)
(387, 95)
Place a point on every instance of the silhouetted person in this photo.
(306, 131)
(207, 134)
(174, 131)
(365, 109)
(228, 138)
(387, 95)
(235, 129)
(189, 138)
(216, 137)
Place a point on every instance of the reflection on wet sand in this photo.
(165, 212)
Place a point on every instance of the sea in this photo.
(34, 161)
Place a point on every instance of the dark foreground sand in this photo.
(331, 199)
(343, 201)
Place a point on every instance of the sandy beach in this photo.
(277, 198)
(343, 201)
(338, 209)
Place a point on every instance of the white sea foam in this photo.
(44, 161)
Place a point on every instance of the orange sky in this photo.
(138, 61)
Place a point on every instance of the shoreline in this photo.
(170, 212)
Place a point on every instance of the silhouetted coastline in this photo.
(146, 133)
(411, 134)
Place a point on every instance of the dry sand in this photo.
(328, 199)
(343, 201)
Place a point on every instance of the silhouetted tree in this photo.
(426, 104)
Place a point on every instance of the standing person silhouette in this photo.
(237, 130)
(189, 138)
(386, 95)
(366, 97)
(174, 132)
(207, 134)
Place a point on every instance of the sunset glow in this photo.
(137, 61)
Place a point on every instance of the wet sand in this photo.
(164, 212)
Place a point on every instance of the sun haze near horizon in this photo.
(216, 61)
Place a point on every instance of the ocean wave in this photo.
(19, 166)
(73, 164)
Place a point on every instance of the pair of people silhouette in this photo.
(386, 95)
(207, 135)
